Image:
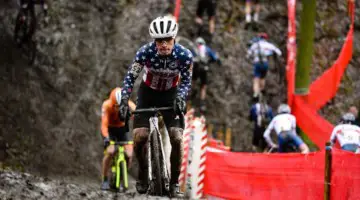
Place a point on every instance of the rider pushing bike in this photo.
(115, 129)
(285, 126)
(167, 80)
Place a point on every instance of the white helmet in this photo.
(163, 27)
(348, 118)
(284, 108)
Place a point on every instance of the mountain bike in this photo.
(23, 33)
(158, 173)
(119, 167)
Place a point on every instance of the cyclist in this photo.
(203, 56)
(285, 126)
(165, 63)
(259, 50)
(347, 133)
(210, 7)
(114, 129)
(248, 6)
(261, 114)
(29, 5)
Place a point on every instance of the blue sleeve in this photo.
(211, 54)
(134, 72)
(186, 74)
(270, 114)
(253, 113)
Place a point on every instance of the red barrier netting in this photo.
(321, 90)
(232, 175)
(345, 182)
(177, 9)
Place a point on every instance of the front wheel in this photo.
(157, 182)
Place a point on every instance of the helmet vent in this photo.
(168, 26)
(155, 28)
(162, 27)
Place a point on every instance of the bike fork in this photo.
(165, 171)
(150, 177)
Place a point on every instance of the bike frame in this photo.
(119, 159)
(154, 129)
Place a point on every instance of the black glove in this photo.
(219, 62)
(180, 105)
(123, 109)
(106, 142)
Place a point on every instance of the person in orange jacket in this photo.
(114, 129)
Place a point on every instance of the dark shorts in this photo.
(288, 138)
(208, 5)
(260, 69)
(258, 137)
(148, 98)
(119, 134)
(199, 72)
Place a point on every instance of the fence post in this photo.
(210, 130)
(328, 163)
(228, 137)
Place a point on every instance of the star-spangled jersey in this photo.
(161, 72)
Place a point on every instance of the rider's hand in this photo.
(106, 142)
(180, 104)
(123, 109)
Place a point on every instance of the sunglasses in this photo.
(160, 40)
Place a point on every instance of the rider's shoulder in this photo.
(106, 104)
(146, 47)
(182, 52)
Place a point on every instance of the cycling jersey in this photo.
(346, 134)
(109, 118)
(281, 123)
(260, 113)
(204, 54)
(161, 72)
(261, 50)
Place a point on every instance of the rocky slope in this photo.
(50, 112)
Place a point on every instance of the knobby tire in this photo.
(158, 184)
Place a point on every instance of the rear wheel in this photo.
(157, 182)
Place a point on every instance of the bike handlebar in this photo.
(121, 143)
(152, 110)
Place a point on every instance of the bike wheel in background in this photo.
(156, 185)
